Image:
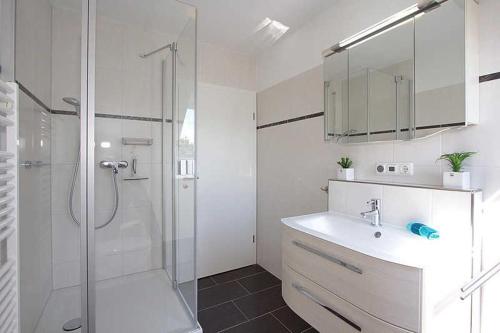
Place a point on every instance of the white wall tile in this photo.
(137, 193)
(428, 150)
(108, 266)
(65, 239)
(66, 274)
(108, 238)
(136, 261)
(136, 229)
(137, 94)
(66, 54)
(488, 40)
(354, 198)
(104, 188)
(401, 205)
(108, 139)
(110, 43)
(110, 89)
(64, 142)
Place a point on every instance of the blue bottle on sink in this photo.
(422, 230)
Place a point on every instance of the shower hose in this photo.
(114, 172)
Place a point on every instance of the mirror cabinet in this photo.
(407, 77)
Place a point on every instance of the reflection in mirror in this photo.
(407, 77)
(380, 86)
(439, 63)
(336, 96)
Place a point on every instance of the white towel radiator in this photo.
(9, 279)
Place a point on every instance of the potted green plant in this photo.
(345, 172)
(456, 178)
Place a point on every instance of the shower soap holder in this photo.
(135, 178)
(137, 141)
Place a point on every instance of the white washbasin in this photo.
(394, 244)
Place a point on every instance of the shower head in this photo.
(73, 101)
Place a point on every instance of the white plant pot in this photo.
(459, 180)
(345, 174)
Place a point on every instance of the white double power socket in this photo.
(401, 169)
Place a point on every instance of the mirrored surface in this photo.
(404, 83)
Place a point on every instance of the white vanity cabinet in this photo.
(386, 290)
(340, 277)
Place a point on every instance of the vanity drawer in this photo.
(327, 312)
(386, 290)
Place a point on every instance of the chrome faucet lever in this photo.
(374, 212)
(114, 165)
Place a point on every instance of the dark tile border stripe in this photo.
(489, 77)
(32, 96)
(406, 129)
(482, 78)
(291, 120)
(112, 116)
(73, 113)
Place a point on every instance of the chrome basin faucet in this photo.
(374, 213)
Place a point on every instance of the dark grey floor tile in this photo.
(259, 282)
(237, 273)
(219, 294)
(310, 330)
(220, 317)
(264, 324)
(205, 283)
(260, 303)
(288, 318)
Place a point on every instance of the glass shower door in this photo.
(184, 151)
(141, 274)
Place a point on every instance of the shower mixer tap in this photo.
(114, 165)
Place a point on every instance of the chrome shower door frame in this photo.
(87, 158)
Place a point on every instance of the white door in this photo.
(226, 189)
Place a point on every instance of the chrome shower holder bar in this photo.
(168, 46)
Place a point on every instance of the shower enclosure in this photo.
(113, 144)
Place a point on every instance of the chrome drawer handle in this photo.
(315, 299)
(328, 257)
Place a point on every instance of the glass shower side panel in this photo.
(136, 247)
(184, 130)
(35, 230)
(48, 67)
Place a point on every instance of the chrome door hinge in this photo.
(253, 115)
(253, 238)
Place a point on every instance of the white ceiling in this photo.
(232, 23)
(227, 23)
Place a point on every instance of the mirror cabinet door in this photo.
(407, 82)
(440, 68)
(336, 95)
(379, 71)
